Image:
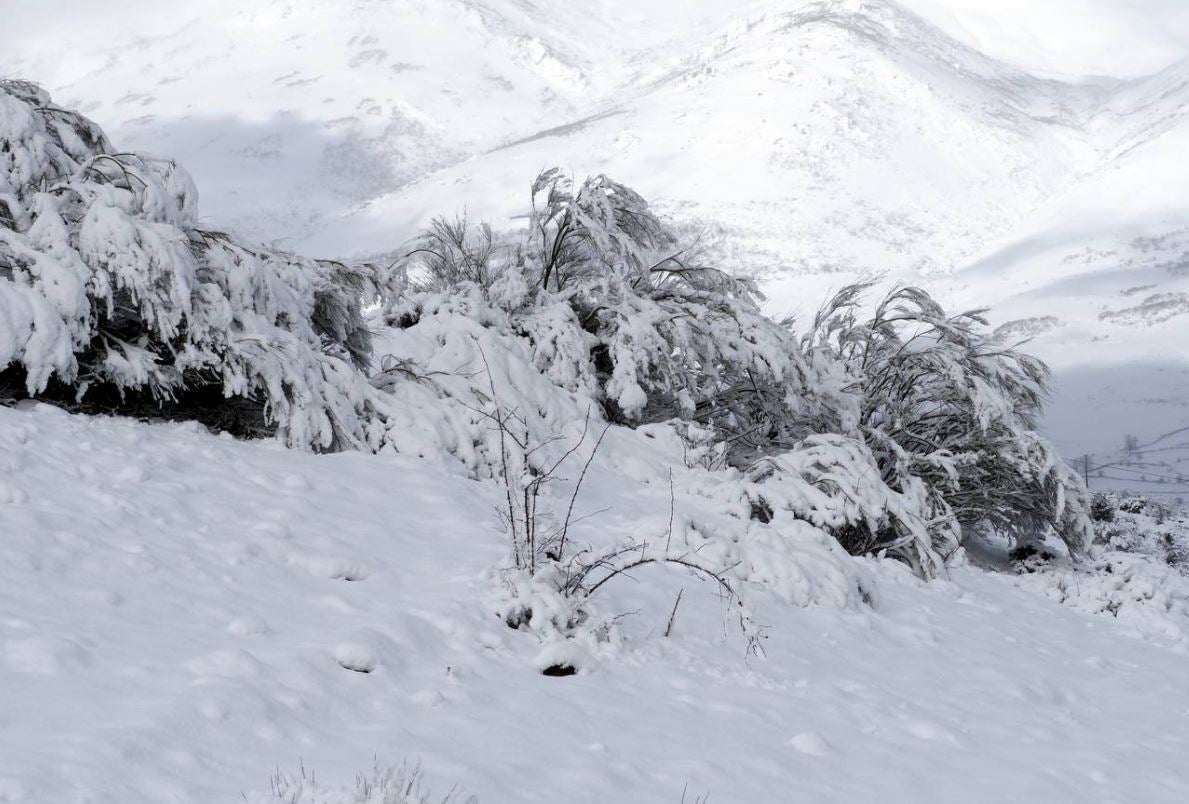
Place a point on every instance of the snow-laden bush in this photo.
(1134, 524)
(1136, 570)
(464, 385)
(950, 414)
(834, 482)
(112, 297)
(614, 308)
(916, 426)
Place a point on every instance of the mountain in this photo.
(1098, 277)
(819, 141)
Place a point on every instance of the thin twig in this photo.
(673, 614)
(672, 505)
(577, 486)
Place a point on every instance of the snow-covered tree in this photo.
(614, 307)
(941, 401)
(113, 297)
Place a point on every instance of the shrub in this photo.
(614, 308)
(942, 412)
(113, 298)
(939, 400)
(1102, 509)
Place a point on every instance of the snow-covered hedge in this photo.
(111, 293)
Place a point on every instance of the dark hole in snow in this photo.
(559, 670)
(1029, 558)
(519, 618)
(865, 596)
(1027, 551)
(357, 668)
(761, 511)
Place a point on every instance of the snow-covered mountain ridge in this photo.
(853, 121)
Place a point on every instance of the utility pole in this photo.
(1086, 469)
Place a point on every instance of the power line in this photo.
(1145, 473)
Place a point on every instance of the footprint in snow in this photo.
(247, 626)
(356, 657)
(808, 742)
(930, 731)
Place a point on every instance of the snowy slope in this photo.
(811, 141)
(1098, 277)
(1069, 38)
(290, 110)
(181, 613)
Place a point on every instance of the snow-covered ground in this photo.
(183, 613)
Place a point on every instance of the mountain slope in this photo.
(291, 110)
(1098, 278)
(818, 140)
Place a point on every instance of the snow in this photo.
(189, 618)
(1121, 38)
(179, 621)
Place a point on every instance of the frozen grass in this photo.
(401, 784)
